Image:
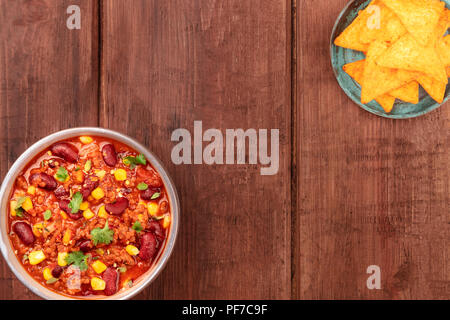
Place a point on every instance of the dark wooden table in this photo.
(352, 190)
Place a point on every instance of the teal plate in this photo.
(341, 56)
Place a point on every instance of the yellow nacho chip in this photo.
(386, 101)
(349, 38)
(381, 24)
(408, 93)
(442, 26)
(435, 89)
(420, 17)
(356, 71)
(378, 80)
(443, 48)
(407, 54)
(448, 72)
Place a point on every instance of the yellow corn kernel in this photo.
(47, 273)
(98, 193)
(84, 205)
(27, 204)
(98, 266)
(120, 175)
(79, 176)
(31, 190)
(100, 173)
(153, 208)
(166, 221)
(67, 236)
(102, 213)
(86, 139)
(36, 257)
(100, 251)
(12, 207)
(98, 284)
(62, 259)
(132, 250)
(88, 214)
(63, 214)
(38, 228)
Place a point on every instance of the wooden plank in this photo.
(48, 77)
(168, 63)
(371, 191)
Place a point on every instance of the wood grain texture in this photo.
(226, 63)
(48, 77)
(352, 190)
(370, 190)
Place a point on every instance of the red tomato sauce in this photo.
(88, 216)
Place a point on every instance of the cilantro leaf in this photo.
(140, 159)
(104, 235)
(77, 258)
(134, 161)
(62, 174)
(137, 227)
(47, 215)
(76, 201)
(142, 186)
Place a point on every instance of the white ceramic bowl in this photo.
(28, 155)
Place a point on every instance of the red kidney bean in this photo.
(61, 192)
(64, 205)
(43, 180)
(149, 246)
(57, 271)
(88, 186)
(163, 206)
(22, 183)
(24, 232)
(118, 206)
(150, 177)
(110, 277)
(149, 192)
(155, 228)
(66, 151)
(85, 245)
(109, 155)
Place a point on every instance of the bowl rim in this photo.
(380, 113)
(7, 250)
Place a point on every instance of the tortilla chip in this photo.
(420, 17)
(443, 48)
(408, 93)
(448, 72)
(356, 71)
(389, 29)
(378, 80)
(442, 26)
(349, 38)
(435, 89)
(386, 101)
(407, 54)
